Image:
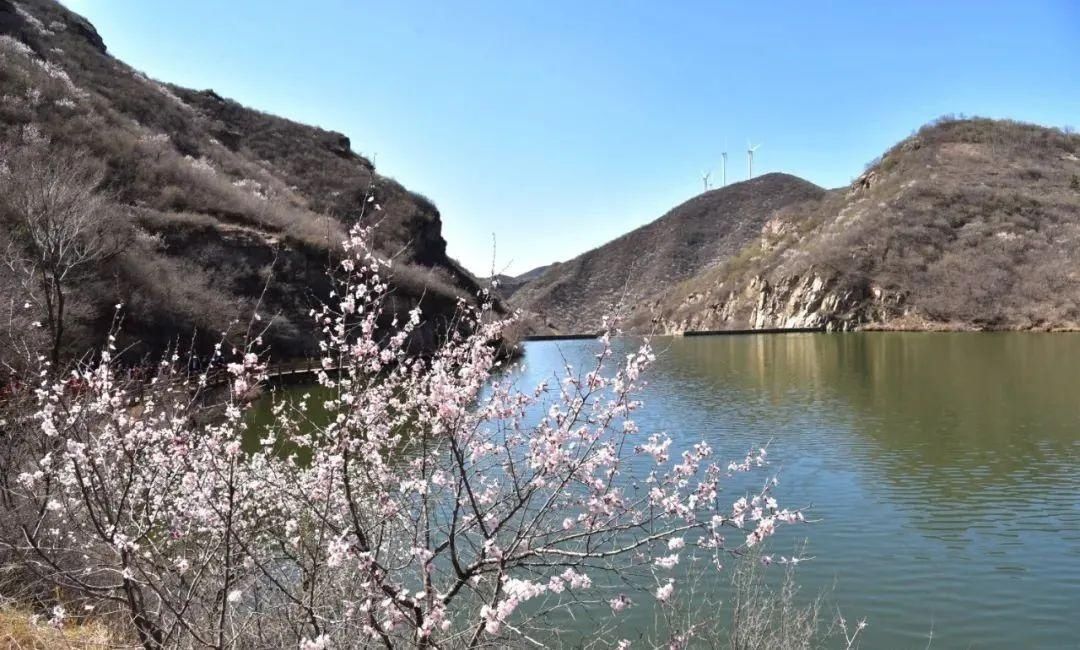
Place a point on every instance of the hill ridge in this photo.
(214, 196)
(573, 296)
(967, 224)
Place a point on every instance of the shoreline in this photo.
(814, 330)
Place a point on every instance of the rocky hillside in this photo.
(633, 270)
(967, 224)
(215, 201)
(507, 285)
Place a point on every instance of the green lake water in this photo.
(944, 468)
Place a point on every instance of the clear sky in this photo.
(557, 125)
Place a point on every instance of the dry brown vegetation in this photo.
(507, 285)
(969, 224)
(574, 296)
(218, 196)
(20, 630)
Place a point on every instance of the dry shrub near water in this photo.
(20, 630)
(763, 616)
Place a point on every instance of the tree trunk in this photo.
(58, 329)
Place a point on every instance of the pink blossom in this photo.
(664, 592)
(619, 603)
(435, 501)
(667, 562)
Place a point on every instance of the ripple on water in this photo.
(944, 468)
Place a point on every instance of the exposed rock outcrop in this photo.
(811, 301)
(83, 27)
(815, 301)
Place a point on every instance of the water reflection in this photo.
(973, 411)
(944, 465)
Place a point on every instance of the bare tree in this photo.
(61, 224)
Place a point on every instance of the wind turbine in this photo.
(750, 159)
(705, 179)
(723, 169)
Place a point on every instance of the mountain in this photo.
(215, 201)
(967, 224)
(507, 285)
(573, 296)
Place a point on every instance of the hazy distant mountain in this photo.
(216, 197)
(573, 296)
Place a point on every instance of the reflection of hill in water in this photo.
(944, 466)
(984, 420)
(980, 419)
(983, 390)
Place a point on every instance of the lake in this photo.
(945, 468)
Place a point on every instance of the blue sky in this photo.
(559, 125)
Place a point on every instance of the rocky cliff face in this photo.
(811, 301)
(815, 301)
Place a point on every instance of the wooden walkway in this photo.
(298, 370)
(293, 371)
(282, 373)
(764, 330)
(560, 337)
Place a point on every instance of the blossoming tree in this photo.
(438, 505)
